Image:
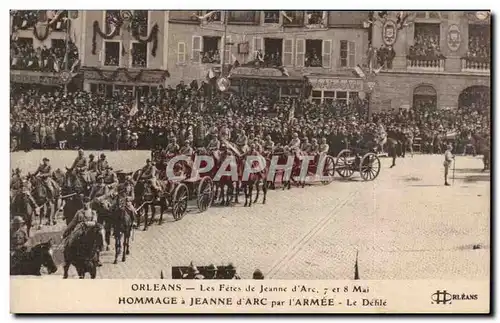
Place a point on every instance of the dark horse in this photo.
(254, 180)
(149, 199)
(43, 198)
(21, 205)
(81, 249)
(31, 261)
(122, 226)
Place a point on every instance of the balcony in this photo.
(425, 64)
(476, 65)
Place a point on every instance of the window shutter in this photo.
(327, 53)
(300, 51)
(256, 45)
(288, 52)
(181, 52)
(196, 49)
(352, 54)
(227, 49)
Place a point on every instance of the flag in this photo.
(14, 61)
(356, 269)
(211, 73)
(135, 107)
(359, 71)
(56, 66)
(204, 17)
(284, 71)
(291, 113)
(74, 66)
(30, 63)
(283, 13)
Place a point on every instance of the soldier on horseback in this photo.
(242, 141)
(18, 235)
(173, 147)
(126, 197)
(44, 171)
(294, 144)
(102, 163)
(148, 173)
(269, 145)
(84, 218)
(187, 149)
(314, 147)
(110, 177)
(80, 167)
(99, 189)
(214, 144)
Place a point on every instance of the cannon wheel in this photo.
(328, 169)
(369, 167)
(344, 168)
(205, 193)
(179, 201)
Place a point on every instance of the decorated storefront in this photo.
(267, 81)
(62, 79)
(140, 81)
(326, 89)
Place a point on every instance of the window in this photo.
(140, 21)
(244, 17)
(316, 96)
(341, 97)
(111, 53)
(347, 53)
(181, 53)
(426, 41)
(329, 97)
(273, 50)
(288, 52)
(215, 17)
(314, 17)
(314, 48)
(293, 18)
(479, 42)
(111, 19)
(139, 53)
(271, 17)
(211, 53)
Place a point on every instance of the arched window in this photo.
(424, 97)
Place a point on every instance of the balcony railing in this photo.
(425, 64)
(475, 65)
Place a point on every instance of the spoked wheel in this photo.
(328, 170)
(344, 162)
(205, 193)
(179, 201)
(369, 167)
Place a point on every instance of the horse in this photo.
(145, 195)
(253, 181)
(81, 249)
(225, 186)
(30, 262)
(103, 207)
(122, 226)
(43, 198)
(21, 205)
(75, 183)
(71, 206)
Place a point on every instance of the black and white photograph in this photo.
(279, 145)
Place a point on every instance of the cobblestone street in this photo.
(405, 225)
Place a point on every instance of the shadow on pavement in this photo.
(477, 178)
(468, 170)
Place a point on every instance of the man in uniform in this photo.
(305, 145)
(18, 235)
(173, 147)
(80, 166)
(214, 144)
(323, 147)
(44, 171)
(314, 147)
(242, 141)
(148, 173)
(102, 163)
(126, 196)
(187, 149)
(269, 145)
(99, 189)
(448, 159)
(110, 178)
(257, 145)
(295, 142)
(86, 216)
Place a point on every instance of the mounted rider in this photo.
(257, 145)
(305, 146)
(214, 144)
(126, 196)
(294, 144)
(110, 178)
(84, 218)
(26, 190)
(79, 167)
(18, 235)
(187, 149)
(17, 180)
(148, 173)
(242, 141)
(268, 145)
(102, 163)
(44, 171)
(314, 147)
(92, 167)
(99, 189)
(173, 147)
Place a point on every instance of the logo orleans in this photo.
(443, 297)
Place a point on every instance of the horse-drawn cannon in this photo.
(349, 161)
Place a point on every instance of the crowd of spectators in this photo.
(23, 56)
(57, 120)
(479, 47)
(313, 59)
(211, 57)
(426, 45)
(385, 56)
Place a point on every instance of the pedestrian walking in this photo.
(448, 159)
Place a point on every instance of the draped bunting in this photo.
(44, 36)
(129, 76)
(97, 30)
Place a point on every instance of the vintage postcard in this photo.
(295, 161)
